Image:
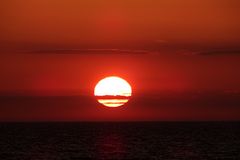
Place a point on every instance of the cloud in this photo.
(215, 52)
(87, 51)
(139, 50)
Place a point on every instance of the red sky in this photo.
(62, 48)
(77, 74)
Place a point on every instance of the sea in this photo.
(119, 140)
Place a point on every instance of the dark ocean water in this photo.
(141, 140)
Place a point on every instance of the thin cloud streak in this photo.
(134, 51)
(87, 51)
(217, 52)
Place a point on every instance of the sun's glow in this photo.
(113, 91)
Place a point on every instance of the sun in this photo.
(113, 91)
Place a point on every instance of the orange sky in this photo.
(44, 24)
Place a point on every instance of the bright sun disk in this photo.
(113, 91)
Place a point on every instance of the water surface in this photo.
(120, 140)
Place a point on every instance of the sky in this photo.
(168, 50)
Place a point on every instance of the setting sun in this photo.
(113, 91)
